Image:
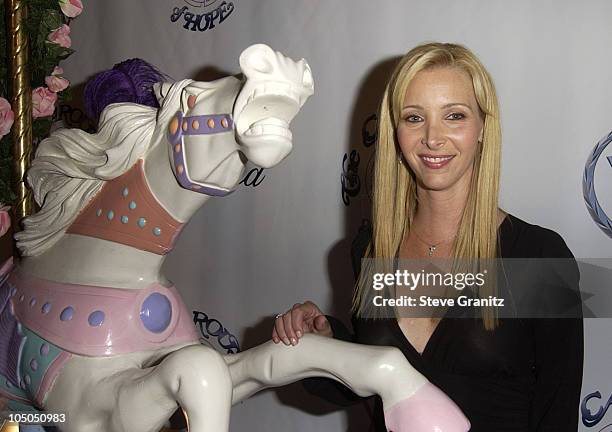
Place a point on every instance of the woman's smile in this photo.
(435, 162)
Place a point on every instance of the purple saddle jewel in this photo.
(195, 125)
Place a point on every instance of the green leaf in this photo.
(44, 16)
(51, 20)
(66, 95)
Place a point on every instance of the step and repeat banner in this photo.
(284, 236)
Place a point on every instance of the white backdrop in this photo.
(246, 257)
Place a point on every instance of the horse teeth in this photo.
(278, 89)
(274, 121)
(270, 126)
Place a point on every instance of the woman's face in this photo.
(439, 128)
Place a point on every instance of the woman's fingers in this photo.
(322, 326)
(275, 337)
(297, 320)
(300, 319)
(279, 326)
(289, 330)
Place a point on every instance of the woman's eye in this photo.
(412, 118)
(456, 116)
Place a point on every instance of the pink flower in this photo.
(43, 102)
(7, 116)
(5, 219)
(55, 82)
(61, 36)
(71, 8)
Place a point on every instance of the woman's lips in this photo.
(435, 162)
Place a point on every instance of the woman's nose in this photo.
(433, 138)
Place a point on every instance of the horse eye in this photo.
(191, 101)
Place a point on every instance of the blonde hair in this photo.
(395, 193)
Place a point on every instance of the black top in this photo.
(526, 375)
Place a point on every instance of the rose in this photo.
(7, 116)
(43, 102)
(55, 82)
(71, 8)
(61, 36)
(5, 219)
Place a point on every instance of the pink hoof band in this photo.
(428, 410)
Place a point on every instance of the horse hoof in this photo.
(427, 410)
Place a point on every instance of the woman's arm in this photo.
(558, 370)
(559, 348)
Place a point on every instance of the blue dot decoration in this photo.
(44, 349)
(132, 205)
(156, 313)
(157, 231)
(67, 313)
(96, 318)
(33, 301)
(125, 192)
(33, 365)
(110, 215)
(46, 308)
(142, 222)
(124, 219)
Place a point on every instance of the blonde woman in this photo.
(436, 192)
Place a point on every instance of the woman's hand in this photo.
(302, 318)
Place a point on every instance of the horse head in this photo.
(221, 124)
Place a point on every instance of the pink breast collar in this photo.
(125, 211)
(100, 321)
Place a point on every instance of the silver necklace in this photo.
(432, 247)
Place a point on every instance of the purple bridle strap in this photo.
(195, 125)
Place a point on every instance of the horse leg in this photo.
(366, 370)
(117, 395)
(410, 401)
(196, 377)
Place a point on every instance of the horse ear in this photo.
(160, 90)
(257, 58)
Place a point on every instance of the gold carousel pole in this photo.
(21, 102)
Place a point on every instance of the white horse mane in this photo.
(72, 165)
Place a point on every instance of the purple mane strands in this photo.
(129, 81)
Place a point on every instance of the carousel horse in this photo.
(91, 328)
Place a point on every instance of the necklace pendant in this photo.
(431, 250)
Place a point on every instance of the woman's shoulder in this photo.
(554, 271)
(521, 239)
